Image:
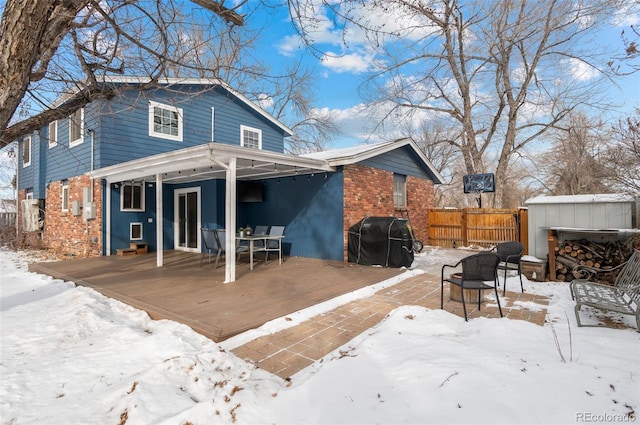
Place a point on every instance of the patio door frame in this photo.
(176, 218)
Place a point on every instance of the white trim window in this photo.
(132, 196)
(53, 134)
(399, 190)
(165, 121)
(76, 127)
(135, 231)
(26, 151)
(65, 195)
(250, 137)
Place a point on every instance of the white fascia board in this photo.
(197, 157)
(359, 155)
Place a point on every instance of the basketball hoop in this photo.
(479, 184)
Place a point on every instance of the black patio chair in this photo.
(479, 272)
(510, 254)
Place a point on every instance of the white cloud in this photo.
(265, 101)
(351, 62)
(363, 123)
(289, 45)
(581, 71)
(627, 15)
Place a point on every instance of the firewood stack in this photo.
(597, 261)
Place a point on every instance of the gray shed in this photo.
(580, 212)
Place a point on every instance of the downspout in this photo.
(17, 191)
(88, 241)
(108, 216)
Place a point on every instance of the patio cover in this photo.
(203, 162)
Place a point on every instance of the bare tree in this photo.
(8, 166)
(64, 47)
(628, 61)
(433, 138)
(505, 72)
(622, 155)
(574, 164)
(289, 98)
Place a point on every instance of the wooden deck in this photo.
(196, 295)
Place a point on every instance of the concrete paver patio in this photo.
(288, 351)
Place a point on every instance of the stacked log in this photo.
(597, 261)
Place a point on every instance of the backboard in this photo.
(474, 183)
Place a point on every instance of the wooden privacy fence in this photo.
(451, 228)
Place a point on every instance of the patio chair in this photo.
(510, 254)
(220, 236)
(209, 242)
(259, 231)
(479, 272)
(273, 244)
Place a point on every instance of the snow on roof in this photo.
(581, 199)
(345, 152)
(354, 154)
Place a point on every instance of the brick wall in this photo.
(369, 192)
(68, 234)
(420, 197)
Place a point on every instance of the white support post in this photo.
(107, 226)
(159, 220)
(230, 222)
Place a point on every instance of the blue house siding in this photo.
(124, 123)
(26, 174)
(401, 161)
(121, 132)
(121, 220)
(230, 114)
(311, 209)
(64, 161)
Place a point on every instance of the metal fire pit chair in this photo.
(478, 271)
(510, 254)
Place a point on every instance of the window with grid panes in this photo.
(399, 190)
(76, 127)
(165, 121)
(251, 137)
(132, 197)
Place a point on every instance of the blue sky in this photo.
(338, 77)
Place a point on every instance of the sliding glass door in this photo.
(187, 219)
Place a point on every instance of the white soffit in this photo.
(208, 161)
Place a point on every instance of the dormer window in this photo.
(165, 121)
(250, 137)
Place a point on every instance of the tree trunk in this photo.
(30, 32)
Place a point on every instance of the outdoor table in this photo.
(265, 238)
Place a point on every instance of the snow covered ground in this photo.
(72, 356)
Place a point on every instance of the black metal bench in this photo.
(623, 297)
